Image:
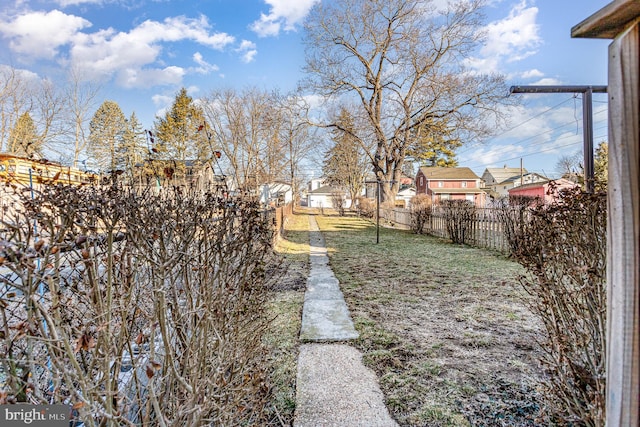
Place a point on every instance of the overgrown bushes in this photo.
(136, 307)
(563, 248)
(420, 213)
(366, 207)
(459, 216)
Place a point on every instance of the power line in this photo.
(520, 141)
(533, 153)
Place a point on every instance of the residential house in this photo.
(441, 183)
(498, 181)
(404, 196)
(322, 197)
(494, 176)
(541, 190)
(405, 192)
(276, 193)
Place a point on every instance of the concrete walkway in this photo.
(325, 316)
(334, 388)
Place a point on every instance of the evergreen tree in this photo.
(434, 144)
(601, 166)
(133, 147)
(345, 164)
(179, 131)
(23, 137)
(106, 132)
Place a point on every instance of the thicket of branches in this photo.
(420, 211)
(143, 308)
(459, 216)
(563, 248)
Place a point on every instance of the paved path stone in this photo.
(334, 388)
(325, 316)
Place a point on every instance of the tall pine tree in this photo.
(23, 137)
(179, 132)
(106, 133)
(133, 149)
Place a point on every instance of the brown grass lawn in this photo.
(445, 327)
(285, 309)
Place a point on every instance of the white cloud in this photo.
(490, 156)
(108, 52)
(65, 3)
(162, 100)
(41, 34)
(284, 14)
(249, 55)
(145, 78)
(248, 51)
(510, 39)
(204, 67)
(532, 74)
(548, 81)
(133, 57)
(24, 75)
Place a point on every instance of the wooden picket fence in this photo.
(486, 231)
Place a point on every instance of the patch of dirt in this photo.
(291, 276)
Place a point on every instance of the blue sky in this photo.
(144, 51)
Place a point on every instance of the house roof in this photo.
(517, 177)
(503, 174)
(437, 172)
(561, 182)
(538, 184)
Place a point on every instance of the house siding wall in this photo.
(529, 192)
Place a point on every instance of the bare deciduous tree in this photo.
(345, 163)
(81, 98)
(263, 135)
(403, 61)
(14, 101)
(297, 134)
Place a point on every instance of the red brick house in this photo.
(450, 184)
(540, 190)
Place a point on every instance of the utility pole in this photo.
(587, 119)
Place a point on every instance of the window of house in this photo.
(464, 184)
(421, 180)
(444, 196)
(440, 184)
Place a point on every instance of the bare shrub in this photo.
(458, 216)
(136, 307)
(338, 202)
(563, 247)
(513, 214)
(420, 212)
(366, 207)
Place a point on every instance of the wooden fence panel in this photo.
(486, 231)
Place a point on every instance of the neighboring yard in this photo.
(445, 327)
(286, 309)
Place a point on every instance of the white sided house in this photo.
(322, 197)
(276, 193)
